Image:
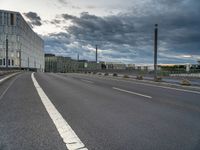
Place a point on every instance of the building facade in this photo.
(20, 46)
(60, 64)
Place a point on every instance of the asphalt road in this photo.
(105, 114)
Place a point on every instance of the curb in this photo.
(8, 77)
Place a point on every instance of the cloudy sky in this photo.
(122, 29)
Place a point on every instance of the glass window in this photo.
(1, 62)
(11, 19)
(18, 38)
(1, 18)
(5, 29)
(5, 19)
(8, 23)
(12, 62)
(1, 29)
(4, 61)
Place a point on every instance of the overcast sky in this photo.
(122, 29)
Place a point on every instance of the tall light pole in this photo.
(28, 63)
(78, 57)
(155, 50)
(6, 52)
(96, 53)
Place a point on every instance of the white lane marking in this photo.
(69, 137)
(87, 81)
(182, 90)
(7, 77)
(130, 92)
(148, 84)
(11, 83)
(165, 87)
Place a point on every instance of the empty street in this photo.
(100, 113)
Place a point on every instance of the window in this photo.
(7, 19)
(8, 62)
(11, 19)
(18, 38)
(12, 62)
(1, 18)
(4, 61)
(4, 20)
(1, 62)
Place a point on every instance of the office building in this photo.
(20, 46)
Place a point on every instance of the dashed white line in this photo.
(130, 92)
(153, 85)
(87, 81)
(69, 137)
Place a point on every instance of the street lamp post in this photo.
(155, 50)
(96, 53)
(28, 63)
(78, 57)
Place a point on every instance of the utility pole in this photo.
(155, 50)
(6, 52)
(96, 53)
(34, 64)
(78, 57)
(28, 63)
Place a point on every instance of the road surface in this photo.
(105, 114)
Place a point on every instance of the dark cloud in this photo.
(129, 36)
(55, 21)
(69, 17)
(35, 20)
(63, 2)
(112, 29)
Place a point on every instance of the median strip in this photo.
(69, 137)
(130, 92)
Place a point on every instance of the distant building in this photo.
(60, 64)
(66, 64)
(114, 65)
(130, 67)
(25, 47)
(92, 65)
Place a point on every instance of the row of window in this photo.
(7, 18)
(3, 62)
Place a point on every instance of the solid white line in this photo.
(130, 92)
(69, 137)
(87, 81)
(7, 77)
(11, 83)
